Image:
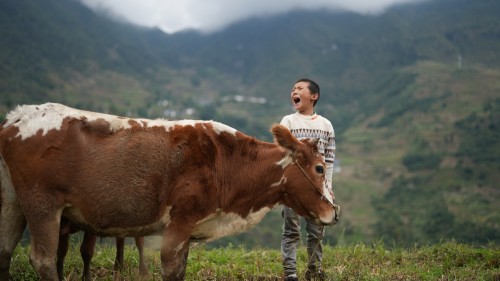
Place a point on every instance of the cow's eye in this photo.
(319, 169)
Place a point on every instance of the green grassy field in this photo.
(444, 261)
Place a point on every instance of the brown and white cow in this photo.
(114, 176)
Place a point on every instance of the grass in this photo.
(444, 261)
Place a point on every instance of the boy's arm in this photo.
(329, 175)
(330, 159)
(329, 181)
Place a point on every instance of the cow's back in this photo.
(107, 171)
(92, 163)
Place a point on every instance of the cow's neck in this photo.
(255, 180)
(248, 191)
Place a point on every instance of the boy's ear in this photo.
(315, 96)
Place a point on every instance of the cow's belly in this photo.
(223, 224)
(155, 227)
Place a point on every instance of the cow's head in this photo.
(304, 177)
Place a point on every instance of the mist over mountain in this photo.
(413, 95)
(205, 17)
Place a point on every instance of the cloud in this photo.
(210, 16)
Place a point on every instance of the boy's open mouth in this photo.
(296, 100)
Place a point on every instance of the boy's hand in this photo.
(331, 193)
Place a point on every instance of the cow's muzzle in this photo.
(337, 213)
(332, 218)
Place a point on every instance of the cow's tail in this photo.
(6, 188)
(2, 172)
(2, 165)
(1, 195)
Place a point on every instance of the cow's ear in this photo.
(284, 138)
(314, 141)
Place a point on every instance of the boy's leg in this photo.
(290, 241)
(315, 234)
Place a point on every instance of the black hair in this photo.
(313, 87)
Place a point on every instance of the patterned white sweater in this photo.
(315, 126)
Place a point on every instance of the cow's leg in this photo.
(120, 245)
(62, 248)
(12, 225)
(87, 252)
(143, 269)
(44, 242)
(174, 252)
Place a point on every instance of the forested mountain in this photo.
(413, 95)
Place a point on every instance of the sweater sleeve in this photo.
(285, 122)
(330, 158)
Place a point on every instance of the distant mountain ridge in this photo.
(433, 65)
(339, 49)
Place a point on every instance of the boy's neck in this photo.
(307, 112)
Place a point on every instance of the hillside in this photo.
(421, 168)
(413, 95)
(414, 147)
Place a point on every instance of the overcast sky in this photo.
(214, 15)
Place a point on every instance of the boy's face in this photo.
(302, 98)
